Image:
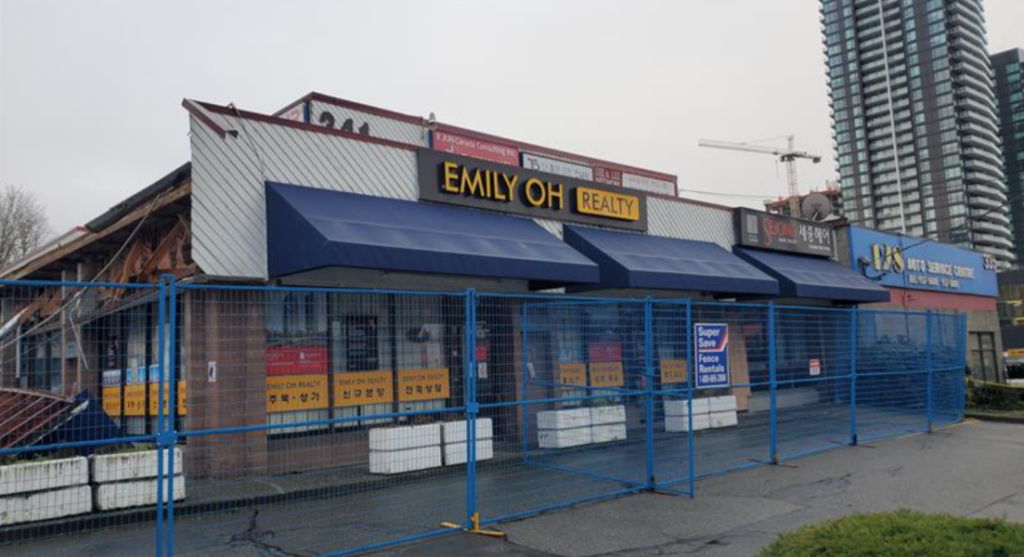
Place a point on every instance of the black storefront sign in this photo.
(757, 229)
(467, 182)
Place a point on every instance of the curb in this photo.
(996, 418)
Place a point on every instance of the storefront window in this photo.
(983, 356)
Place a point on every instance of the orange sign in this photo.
(673, 371)
(287, 393)
(154, 398)
(135, 400)
(180, 401)
(363, 387)
(606, 374)
(572, 375)
(423, 384)
(112, 401)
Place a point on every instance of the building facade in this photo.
(914, 121)
(921, 274)
(1007, 67)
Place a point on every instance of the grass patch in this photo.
(902, 534)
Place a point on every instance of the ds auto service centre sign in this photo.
(712, 343)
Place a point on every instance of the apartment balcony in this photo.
(991, 170)
(999, 230)
(1000, 254)
(971, 57)
(984, 154)
(978, 95)
(986, 202)
(971, 126)
(992, 240)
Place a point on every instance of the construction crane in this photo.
(787, 154)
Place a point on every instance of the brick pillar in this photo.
(229, 329)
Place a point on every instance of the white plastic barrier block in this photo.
(406, 437)
(678, 407)
(456, 453)
(564, 438)
(723, 404)
(607, 415)
(723, 419)
(47, 474)
(408, 460)
(138, 493)
(119, 467)
(607, 433)
(563, 419)
(681, 423)
(455, 432)
(45, 505)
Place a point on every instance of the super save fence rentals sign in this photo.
(712, 342)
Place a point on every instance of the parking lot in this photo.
(975, 469)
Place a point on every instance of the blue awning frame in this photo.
(640, 261)
(311, 228)
(814, 277)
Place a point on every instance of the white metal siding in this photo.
(228, 175)
(229, 204)
(690, 221)
(380, 126)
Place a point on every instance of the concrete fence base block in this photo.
(119, 467)
(606, 433)
(455, 432)
(600, 415)
(675, 424)
(456, 453)
(564, 438)
(723, 419)
(139, 493)
(405, 437)
(408, 460)
(563, 419)
(45, 505)
(27, 477)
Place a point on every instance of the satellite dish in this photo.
(816, 206)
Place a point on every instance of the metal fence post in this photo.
(161, 449)
(649, 387)
(928, 369)
(962, 342)
(854, 324)
(472, 409)
(774, 385)
(690, 378)
(172, 407)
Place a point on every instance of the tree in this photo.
(23, 224)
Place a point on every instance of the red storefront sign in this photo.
(605, 352)
(475, 148)
(297, 360)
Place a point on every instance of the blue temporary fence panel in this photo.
(641, 261)
(309, 228)
(375, 418)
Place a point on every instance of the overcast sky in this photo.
(90, 91)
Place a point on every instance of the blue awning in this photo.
(814, 277)
(310, 228)
(641, 261)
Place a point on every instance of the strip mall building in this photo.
(331, 193)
